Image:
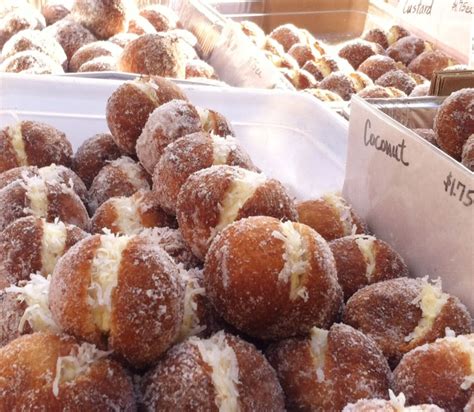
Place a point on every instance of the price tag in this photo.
(459, 190)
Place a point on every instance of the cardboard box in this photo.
(412, 194)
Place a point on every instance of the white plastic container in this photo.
(290, 136)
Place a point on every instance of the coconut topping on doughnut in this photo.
(51, 173)
(243, 187)
(225, 370)
(431, 301)
(18, 144)
(221, 148)
(128, 216)
(366, 247)
(338, 203)
(296, 259)
(205, 118)
(76, 363)
(319, 346)
(53, 243)
(132, 169)
(35, 293)
(191, 325)
(37, 195)
(146, 88)
(104, 277)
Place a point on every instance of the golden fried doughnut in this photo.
(377, 65)
(357, 51)
(92, 50)
(345, 84)
(380, 92)
(287, 35)
(54, 11)
(467, 157)
(397, 78)
(30, 62)
(161, 17)
(429, 62)
(407, 48)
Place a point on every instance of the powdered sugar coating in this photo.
(139, 25)
(437, 373)
(339, 83)
(429, 62)
(324, 95)
(407, 48)
(30, 62)
(165, 124)
(54, 11)
(354, 368)
(377, 65)
(161, 17)
(357, 51)
(99, 64)
(421, 90)
(18, 19)
(91, 51)
(242, 280)
(122, 39)
(378, 36)
(287, 35)
(467, 157)
(390, 311)
(121, 177)
(454, 122)
(29, 365)
(380, 92)
(395, 404)
(200, 69)
(398, 79)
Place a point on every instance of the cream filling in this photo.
(35, 293)
(52, 173)
(431, 301)
(225, 370)
(343, 210)
(104, 277)
(191, 323)
(134, 173)
(18, 144)
(319, 346)
(128, 220)
(366, 247)
(324, 67)
(242, 189)
(221, 148)
(357, 81)
(206, 121)
(53, 243)
(36, 194)
(296, 260)
(76, 363)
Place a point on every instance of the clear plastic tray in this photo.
(290, 136)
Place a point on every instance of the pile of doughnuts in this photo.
(98, 35)
(453, 127)
(164, 271)
(380, 64)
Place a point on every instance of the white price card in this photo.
(413, 196)
(447, 23)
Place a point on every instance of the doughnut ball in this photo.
(19, 19)
(70, 35)
(380, 92)
(324, 95)
(54, 173)
(33, 245)
(130, 105)
(395, 33)
(467, 157)
(92, 50)
(35, 196)
(93, 155)
(287, 35)
(377, 65)
(357, 51)
(254, 32)
(167, 123)
(331, 216)
(454, 122)
(130, 215)
(429, 62)
(395, 404)
(272, 279)
(161, 17)
(119, 292)
(401, 314)
(35, 40)
(122, 39)
(33, 143)
(421, 90)
(329, 368)
(397, 78)
(325, 65)
(441, 372)
(121, 177)
(303, 52)
(362, 260)
(55, 372)
(215, 123)
(9, 5)
(199, 69)
(215, 197)
(186, 42)
(104, 18)
(273, 46)
(378, 36)
(300, 78)
(11, 314)
(54, 11)
(407, 48)
(222, 373)
(99, 64)
(139, 25)
(427, 134)
(190, 154)
(156, 54)
(30, 62)
(345, 84)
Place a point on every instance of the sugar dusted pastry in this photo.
(272, 279)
